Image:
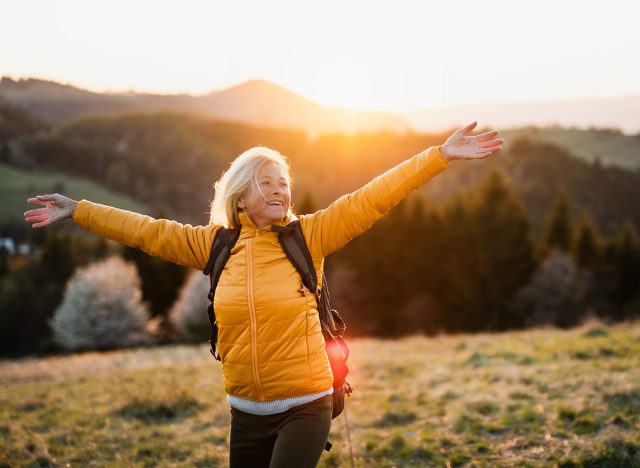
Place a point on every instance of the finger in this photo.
(36, 219)
(39, 225)
(48, 197)
(488, 144)
(35, 201)
(487, 135)
(37, 212)
(484, 152)
(470, 127)
(488, 153)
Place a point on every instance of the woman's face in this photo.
(268, 202)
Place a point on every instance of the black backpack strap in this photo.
(220, 251)
(296, 249)
(224, 239)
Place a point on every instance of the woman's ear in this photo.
(241, 204)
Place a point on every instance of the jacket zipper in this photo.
(252, 319)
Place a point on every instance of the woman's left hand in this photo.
(460, 146)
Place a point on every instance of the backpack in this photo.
(333, 327)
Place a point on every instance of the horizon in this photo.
(82, 87)
(611, 113)
(374, 58)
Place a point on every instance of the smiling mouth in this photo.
(275, 203)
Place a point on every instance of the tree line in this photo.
(471, 264)
(170, 161)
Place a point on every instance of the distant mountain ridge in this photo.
(622, 113)
(264, 104)
(256, 102)
(260, 102)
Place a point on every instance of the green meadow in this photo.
(543, 397)
(19, 184)
(610, 146)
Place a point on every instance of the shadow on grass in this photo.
(170, 410)
(625, 402)
(400, 417)
(480, 359)
(616, 454)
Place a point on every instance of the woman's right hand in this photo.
(56, 208)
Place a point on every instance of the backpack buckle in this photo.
(347, 388)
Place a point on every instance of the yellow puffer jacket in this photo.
(270, 340)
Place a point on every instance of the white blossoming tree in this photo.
(102, 308)
(189, 313)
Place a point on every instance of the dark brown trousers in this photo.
(295, 438)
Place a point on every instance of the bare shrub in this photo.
(102, 308)
(555, 294)
(189, 313)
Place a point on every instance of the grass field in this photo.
(18, 185)
(537, 398)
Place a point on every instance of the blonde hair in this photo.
(236, 180)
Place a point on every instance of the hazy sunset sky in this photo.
(375, 55)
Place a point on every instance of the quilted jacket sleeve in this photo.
(352, 214)
(178, 243)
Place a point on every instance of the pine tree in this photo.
(458, 269)
(4, 261)
(489, 256)
(626, 255)
(161, 280)
(58, 255)
(587, 244)
(558, 226)
(505, 246)
(5, 153)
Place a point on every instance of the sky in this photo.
(369, 55)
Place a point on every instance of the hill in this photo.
(267, 104)
(261, 103)
(536, 398)
(256, 102)
(620, 113)
(608, 146)
(170, 161)
(19, 184)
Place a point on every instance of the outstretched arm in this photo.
(178, 243)
(352, 214)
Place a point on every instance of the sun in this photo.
(342, 82)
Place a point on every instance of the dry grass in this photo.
(543, 397)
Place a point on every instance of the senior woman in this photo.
(276, 371)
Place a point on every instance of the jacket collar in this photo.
(249, 229)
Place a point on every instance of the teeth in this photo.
(274, 203)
